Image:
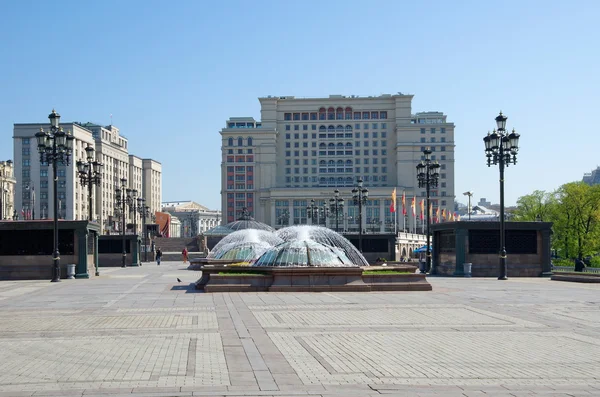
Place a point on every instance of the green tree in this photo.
(535, 206)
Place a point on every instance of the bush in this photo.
(595, 261)
(564, 262)
(380, 260)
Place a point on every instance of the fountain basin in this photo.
(309, 279)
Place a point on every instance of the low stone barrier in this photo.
(310, 279)
(577, 277)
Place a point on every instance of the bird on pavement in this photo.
(178, 280)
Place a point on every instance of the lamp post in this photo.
(336, 206)
(132, 203)
(89, 174)
(428, 176)
(55, 147)
(144, 211)
(312, 212)
(501, 148)
(5, 166)
(121, 204)
(360, 195)
(470, 194)
(284, 218)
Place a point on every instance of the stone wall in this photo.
(32, 267)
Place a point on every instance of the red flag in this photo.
(412, 205)
(403, 204)
(422, 205)
(23, 212)
(393, 205)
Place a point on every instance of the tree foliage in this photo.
(574, 210)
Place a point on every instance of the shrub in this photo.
(380, 260)
(563, 262)
(595, 261)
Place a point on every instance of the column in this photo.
(81, 268)
(460, 251)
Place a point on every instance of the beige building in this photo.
(152, 184)
(7, 189)
(194, 218)
(305, 148)
(34, 181)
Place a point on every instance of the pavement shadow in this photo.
(189, 289)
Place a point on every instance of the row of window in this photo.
(332, 163)
(432, 140)
(334, 134)
(339, 145)
(432, 130)
(244, 125)
(43, 173)
(304, 203)
(367, 170)
(374, 152)
(335, 114)
(313, 127)
(240, 141)
(240, 186)
(240, 195)
(240, 168)
(239, 151)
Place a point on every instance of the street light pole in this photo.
(336, 205)
(89, 174)
(470, 194)
(428, 176)
(501, 148)
(142, 209)
(360, 196)
(54, 147)
(121, 203)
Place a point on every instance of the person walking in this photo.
(185, 254)
(158, 256)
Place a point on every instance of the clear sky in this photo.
(172, 72)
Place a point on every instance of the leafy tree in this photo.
(535, 206)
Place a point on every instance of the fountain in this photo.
(299, 258)
(324, 236)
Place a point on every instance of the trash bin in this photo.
(467, 269)
(70, 270)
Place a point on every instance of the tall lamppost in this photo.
(55, 147)
(428, 176)
(144, 211)
(501, 148)
(89, 174)
(132, 204)
(312, 212)
(336, 207)
(283, 218)
(470, 194)
(360, 196)
(121, 205)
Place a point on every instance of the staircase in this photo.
(176, 244)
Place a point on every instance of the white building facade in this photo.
(110, 149)
(305, 148)
(7, 189)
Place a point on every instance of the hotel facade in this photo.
(304, 149)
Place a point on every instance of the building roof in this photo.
(182, 206)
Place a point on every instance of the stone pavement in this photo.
(138, 332)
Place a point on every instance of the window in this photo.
(296, 144)
(249, 151)
(230, 142)
(26, 162)
(287, 153)
(296, 162)
(443, 184)
(366, 126)
(43, 173)
(314, 128)
(250, 141)
(44, 184)
(433, 130)
(229, 151)
(443, 130)
(384, 152)
(443, 148)
(383, 116)
(288, 170)
(288, 127)
(443, 166)
(443, 139)
(383, 170)
(240, 142)
(304, 116)
(374, 126)
(365, 115)
(296, 136)
(423, 140)
(432, 140)
(296, 127)
(443, 202)
(26, 151)
(287, 116)
(443, 157)
(296, 116)
(288, 144)
(422, 130)
(443, 175)
(288, 161)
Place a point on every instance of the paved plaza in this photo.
(138, 332)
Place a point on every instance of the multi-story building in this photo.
(7, 189)
(592, 178)
(152, 184)
(110, 149)
(194, 218)
(305, 148)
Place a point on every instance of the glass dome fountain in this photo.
(244, 245)
(304, 253)
(326, 237)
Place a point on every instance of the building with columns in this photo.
(7, 189)
(194, 218)
(303, 149)
(111, 149)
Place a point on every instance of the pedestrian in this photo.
(158, 256)
(579, 265)
(185, 254)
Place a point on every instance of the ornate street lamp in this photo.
(132, 203)
(121, 205)
(360, 196)
(55, 147)
(90, 175)
(336, 207)
(312, 212)
(283, 218)
(428, 176)
(501, 148)
(144, 212)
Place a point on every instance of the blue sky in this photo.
(171, 73)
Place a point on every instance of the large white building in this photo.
(110, 149)
(305, 148)
(7, 189)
